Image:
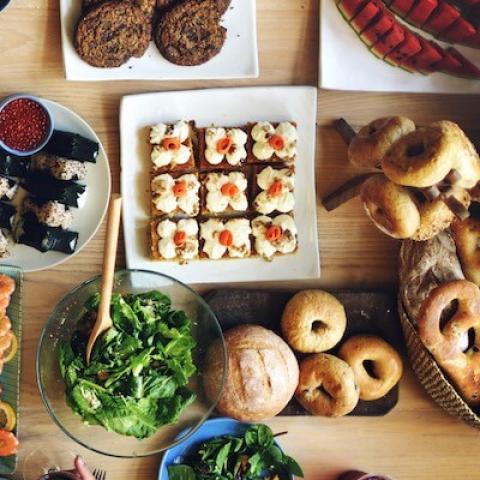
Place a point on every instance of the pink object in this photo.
(358, 475)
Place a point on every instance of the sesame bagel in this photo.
(372, 141)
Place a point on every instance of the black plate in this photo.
(368, 312)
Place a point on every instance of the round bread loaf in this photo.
(262, 374)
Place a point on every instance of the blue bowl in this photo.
(3, 4)
(215, 427)
(5, 102)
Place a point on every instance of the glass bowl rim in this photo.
(53, 314)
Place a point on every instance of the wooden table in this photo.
(417, 440)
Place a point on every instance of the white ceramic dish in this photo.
(226, 107)
(85, 220)
(238, 58)
(346, 63)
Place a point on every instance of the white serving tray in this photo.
(238, 58)
(225, 107)
(346, 63)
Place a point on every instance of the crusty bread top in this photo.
(262, 373)
(423, 267)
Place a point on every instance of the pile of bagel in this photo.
(263, 373)
(422, 179)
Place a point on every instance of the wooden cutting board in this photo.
(368, 311)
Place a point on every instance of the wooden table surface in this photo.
(417, 440)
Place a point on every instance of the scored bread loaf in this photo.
(262, 374)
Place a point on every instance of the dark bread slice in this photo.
(109, 34)
(190, 33)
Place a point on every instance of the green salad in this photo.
(139, 369)
(251, 457)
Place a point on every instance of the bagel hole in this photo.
(318, 326)
(471, 340)
(369, 366)
(419, 196)
(448, 313)
(321, 390)
(415, 150)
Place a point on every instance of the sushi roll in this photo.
(8, 188)
(13, 166)
(72, 146)
(45, 188)
(45, 239)
(50, 213)
(57, 167)
(3, 245)
(7, 215)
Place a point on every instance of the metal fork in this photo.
(99, 474)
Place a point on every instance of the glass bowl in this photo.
(60, 327)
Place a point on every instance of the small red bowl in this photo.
(28, 100)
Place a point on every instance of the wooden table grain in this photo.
(417, 440)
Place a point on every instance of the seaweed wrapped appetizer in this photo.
(34, 234)
(13, 166)
(50, 213)
(3, 245)
(58, 167)
(46, 188)
(8, 188)
(72, 146)
(7, 215)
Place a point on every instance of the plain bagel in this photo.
(386, 365)
(424, 157)
(313, 321)
(372, 141)
(327, 386)
(392, 208)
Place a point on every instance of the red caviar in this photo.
(24, 124)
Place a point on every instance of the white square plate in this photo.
(238, 58)
(225, 107)
(346, 63)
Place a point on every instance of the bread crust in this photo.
(327, 386)
(386, 364)
(372, 141)
(299, 319)
(262, 374)
(391, 207)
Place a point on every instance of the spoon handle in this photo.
(104, 321)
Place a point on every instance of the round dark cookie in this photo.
(109, 34)
(190, 34)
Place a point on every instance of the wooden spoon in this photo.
(104, 322)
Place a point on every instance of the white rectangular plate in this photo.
(238, 58)
(224, 107)
(347, 64)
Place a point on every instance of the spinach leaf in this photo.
(136, 382)
(181, 472)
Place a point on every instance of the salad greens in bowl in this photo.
(142, 392)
